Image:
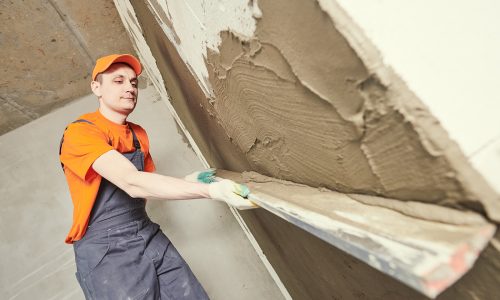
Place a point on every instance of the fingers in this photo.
(240, 202)
(204, 176)
(241, 189)
(231, 192)
(225, 190)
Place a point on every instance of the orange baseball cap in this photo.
(103, 63)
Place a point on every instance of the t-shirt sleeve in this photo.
(83, 144)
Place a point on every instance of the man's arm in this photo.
(121, 172)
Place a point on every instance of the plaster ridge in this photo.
(242, 39)
(415, 209)
(370, 165)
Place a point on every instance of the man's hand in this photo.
(226, 190)
(232, 193)
(205, 176)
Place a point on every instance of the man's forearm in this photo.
(120, 171)
(145, 185)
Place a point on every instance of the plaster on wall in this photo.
(199, 32)
(448, 53)
(289, 115)
(242, 68)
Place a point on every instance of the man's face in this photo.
(117, 89)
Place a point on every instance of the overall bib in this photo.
(124, 255)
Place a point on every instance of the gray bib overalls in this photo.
(124, 255)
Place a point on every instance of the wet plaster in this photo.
(304, 108)
(299, 193)
(327, 121)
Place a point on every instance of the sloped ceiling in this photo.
(47, 51)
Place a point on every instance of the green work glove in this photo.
(205, 176)
(232, 193)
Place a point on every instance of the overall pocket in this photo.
(89, 253)
(124, 273)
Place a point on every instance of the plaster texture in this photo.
(36, 213)
(318, 107)
(451, 61)
(371, 122)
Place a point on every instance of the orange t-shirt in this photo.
(83, 144)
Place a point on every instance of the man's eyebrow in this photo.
(123, 76)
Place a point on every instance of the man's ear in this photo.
(96, 88)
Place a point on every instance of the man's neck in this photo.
(112, 115)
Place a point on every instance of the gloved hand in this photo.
(205, 176)
(232, 193)
(223, 189)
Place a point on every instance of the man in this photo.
(119, 252)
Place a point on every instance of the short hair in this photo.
(98, 78)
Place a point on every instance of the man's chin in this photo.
(127, 110)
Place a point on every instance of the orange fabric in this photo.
(83, 144)
(103, 63)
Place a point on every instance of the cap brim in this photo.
(129, 60)
(104, 63)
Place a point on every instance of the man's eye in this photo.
(134, 84)
(118, 81)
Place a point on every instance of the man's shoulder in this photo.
(89, 117)
(86, 124)
(137, 127)
(85, 119)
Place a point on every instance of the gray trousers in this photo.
(134, 260)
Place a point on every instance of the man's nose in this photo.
(130, 87)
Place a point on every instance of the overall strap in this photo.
(137, 145)
(62, 138)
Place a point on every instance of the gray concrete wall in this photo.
(36, 213)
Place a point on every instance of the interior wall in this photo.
(309, 268)
(448, 53)
(36, 213)
(362, 117)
